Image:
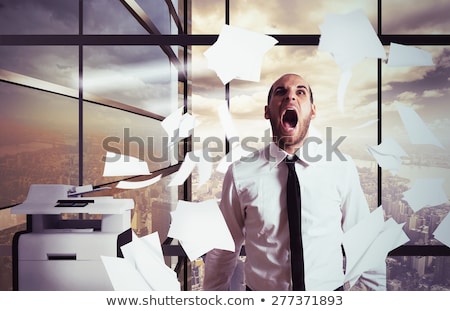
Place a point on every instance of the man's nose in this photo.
(290, 95)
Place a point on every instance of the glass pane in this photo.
(139, 76)
(424, 92)
(55, 64)
(423, 273)
(424, 17)
(108, 129)
(39, 17)
(36, 146)
(292, 17)
(112, 17)
(208, 16)
(152, 209)
(109, 17)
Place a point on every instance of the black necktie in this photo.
(295, 230)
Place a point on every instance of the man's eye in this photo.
(279, 92)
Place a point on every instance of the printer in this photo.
(57, 252)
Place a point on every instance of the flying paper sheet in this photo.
(388, 155)
(442, 232)
(123, 165)
(123, 275)
(417, 130)
(194, 159)
(402, 55)
(227, 123)
(142, 267)
(200, 227)
(146, 254)
(238, 54)
(178, 125)
(349, 38)
(138, 184)
(425, 192)
(368, 243)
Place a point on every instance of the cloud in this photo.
(407, 96)
(432, 93)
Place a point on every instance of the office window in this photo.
(63, 96)
(369, 116)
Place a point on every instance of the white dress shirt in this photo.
(254, 207)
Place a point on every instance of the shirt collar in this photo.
(277, 155)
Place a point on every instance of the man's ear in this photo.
(266, 112)
(313, 111)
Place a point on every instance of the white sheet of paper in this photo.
(200, 227)
(138, 184)
(187, 123)
(368, 243)
(417, 130)
(358, 239)
(390, 237)
(238, 54)
(197, 158)
(388, 155)
(349, 38)
(425, 192)
(442, 232)
(227, 123)
(403, 55)
(146, 257)
(344, 81)
(123, 275)
(124, 165)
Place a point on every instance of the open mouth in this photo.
(289, 119)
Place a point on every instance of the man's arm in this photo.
(220, 264)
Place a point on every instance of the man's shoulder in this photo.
(253, 164)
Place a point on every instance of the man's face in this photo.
(290, 111)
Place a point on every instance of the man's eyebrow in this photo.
(300, 86)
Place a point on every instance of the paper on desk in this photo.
(403, 55)
(146, 254)
(442, 232)
(138, 184)
(349, 38)
(200, 227)
(124, 165)
(199, 159)
(238, 54)
(417, 130)
(388, 155)
(425, 192)
(123, 274)
(368, 243)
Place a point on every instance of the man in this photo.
(255, 208)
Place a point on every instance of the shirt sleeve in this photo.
(354, 209)
(220, 264)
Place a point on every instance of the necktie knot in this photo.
(290, 161)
